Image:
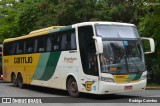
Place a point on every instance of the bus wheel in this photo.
(72, 87)
(20, 81)
(14, 80)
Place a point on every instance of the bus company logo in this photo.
(70, 60)
(6, 100)
(88, 85)
(23, 60)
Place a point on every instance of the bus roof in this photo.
(104, 22)
(61, 28)
(34, 33)
(45, 29)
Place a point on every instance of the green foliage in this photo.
(149, 26)
(8, 27)
(27, 15)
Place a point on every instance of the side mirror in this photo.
(151, 43)
(99, 44)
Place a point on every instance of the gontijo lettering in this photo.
(22, 60)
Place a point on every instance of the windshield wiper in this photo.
(134, 64)
(131, 61)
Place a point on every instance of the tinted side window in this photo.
(68, 40)
(65, 40)
(29, 46)
(73, 41)
(5, 49)
(41, 45)
(53, 42)
(9, 48)
(20, 47)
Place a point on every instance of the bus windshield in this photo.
(121, 57)
(116, 31)
(122, 50)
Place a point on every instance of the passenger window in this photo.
(20, 47)
(68, 40)
(29, 46)
(63, 42)
(73, 41)
(12, 49)
(41, 44)
(53, 43)
(9, 48)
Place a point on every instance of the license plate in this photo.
(127, 87)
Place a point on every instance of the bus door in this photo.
(88, 78)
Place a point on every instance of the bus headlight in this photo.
(106, 79)
(144, 77)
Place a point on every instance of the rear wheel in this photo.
(20, 81)
(72, 87)
(14, 80)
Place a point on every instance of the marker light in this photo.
(112, 68)
(144, 77)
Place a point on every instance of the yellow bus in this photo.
(89, 57)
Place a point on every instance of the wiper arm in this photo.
(134, 64)
(132, 61)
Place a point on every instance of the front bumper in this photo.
(111, 88)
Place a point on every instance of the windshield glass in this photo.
(116, 31)
(122, 57)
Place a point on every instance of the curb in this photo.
(152, 88)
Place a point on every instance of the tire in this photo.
(72, 87)
(14, 80)
(20, 81)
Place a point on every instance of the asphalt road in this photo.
(59, 96)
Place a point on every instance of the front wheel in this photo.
(72, 87)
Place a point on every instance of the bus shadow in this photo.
(63, 95)
(46, 90)
(82, 95)
(2, 81)
(108, 96)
